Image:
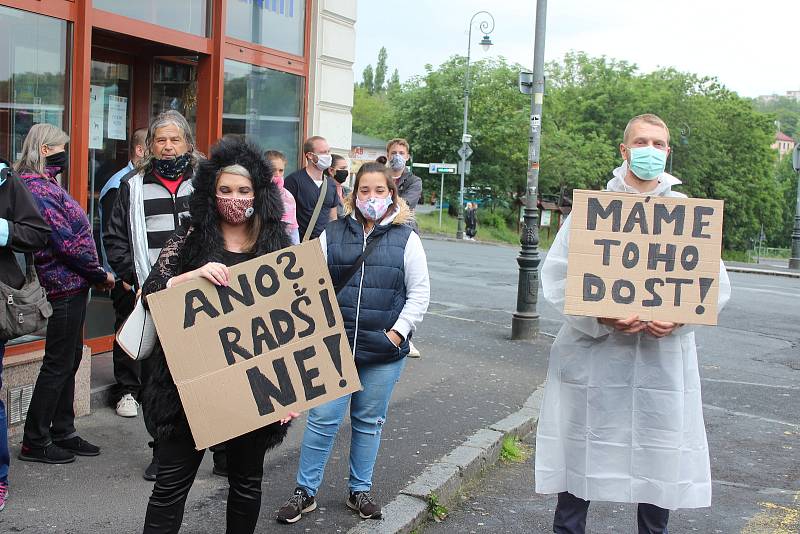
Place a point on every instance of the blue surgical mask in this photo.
(647, 162)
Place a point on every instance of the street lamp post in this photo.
(794, 261)
(487, 27)
(525, 321)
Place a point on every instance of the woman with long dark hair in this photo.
(235, 214)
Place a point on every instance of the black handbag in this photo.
(26, 310)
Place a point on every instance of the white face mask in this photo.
(323, 161)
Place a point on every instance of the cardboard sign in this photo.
(245, 355)
(657, 257)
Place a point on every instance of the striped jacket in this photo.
(162, 213)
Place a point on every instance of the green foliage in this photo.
(437, 510)
(368, 79)
(720, 142)
(372, 114)
(784, 110)
(513, 450)
(380, 70)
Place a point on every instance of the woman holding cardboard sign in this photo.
(236, 213)
(382, 296)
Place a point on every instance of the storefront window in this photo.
(278, 24)
(265, 105)
(188, 16)
(175, 87)
(33, 76)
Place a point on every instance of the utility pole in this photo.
(794, 261)
(525, 322)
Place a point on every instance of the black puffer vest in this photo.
(373, 298)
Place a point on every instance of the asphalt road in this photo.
(470, 376)
(750, 369)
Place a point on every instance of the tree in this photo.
(394, 82)
(368, 81)
(380, 70)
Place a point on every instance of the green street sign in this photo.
(442, 168)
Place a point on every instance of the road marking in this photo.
(790, 294)
(749, 415)
(722, 381)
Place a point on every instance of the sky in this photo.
(751, 47)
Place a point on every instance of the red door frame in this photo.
(211, 69)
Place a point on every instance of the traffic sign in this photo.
(466, 169)
(442, 168)
(465, 151)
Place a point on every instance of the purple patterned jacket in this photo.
(68, 264)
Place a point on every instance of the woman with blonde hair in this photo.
(67, 267)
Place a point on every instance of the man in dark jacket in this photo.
(22, 229)
(409, 185)
(148, 209)
(306, 185)
(127, 371)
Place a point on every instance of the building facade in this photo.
(783, 144)
(274, 70)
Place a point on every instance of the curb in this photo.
(446, 477)
(750, 270)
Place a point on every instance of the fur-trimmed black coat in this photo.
(200, 242)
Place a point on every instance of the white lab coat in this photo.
(622, 417)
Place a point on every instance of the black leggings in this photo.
(178, 462)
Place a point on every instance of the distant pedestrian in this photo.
(278, 162)
(471, 220)
(22, 229)
(381, 304)
(622, 417)
(338, 172)
(127, 371)
(236, 212)
(310, 186)
(67, 267)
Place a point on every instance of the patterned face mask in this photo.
(172, 169)
(374, 207)
(235, 210)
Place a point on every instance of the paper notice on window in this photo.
(117, 117)
(96, 115)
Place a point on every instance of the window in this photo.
(33, 76)
(265, 105)
(278, 24)
(190, 16)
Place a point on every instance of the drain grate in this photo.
(18, 401)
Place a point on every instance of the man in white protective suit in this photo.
(622, 417)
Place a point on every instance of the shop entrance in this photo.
(132, 80)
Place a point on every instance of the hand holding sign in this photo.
(645, 258)
(264, 345)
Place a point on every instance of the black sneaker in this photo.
(297, 505)
(361, 502)
(78, 445)
(151, 472)
(51, 454)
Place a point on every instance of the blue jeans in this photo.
(367, 415)
(4, 457)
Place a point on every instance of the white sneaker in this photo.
(127, 406)
(412, 351)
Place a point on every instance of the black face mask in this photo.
(341, 175)
(58, 161)
(172, 169)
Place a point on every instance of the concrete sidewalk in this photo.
(470, 377)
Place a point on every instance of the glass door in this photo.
(109, 132)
